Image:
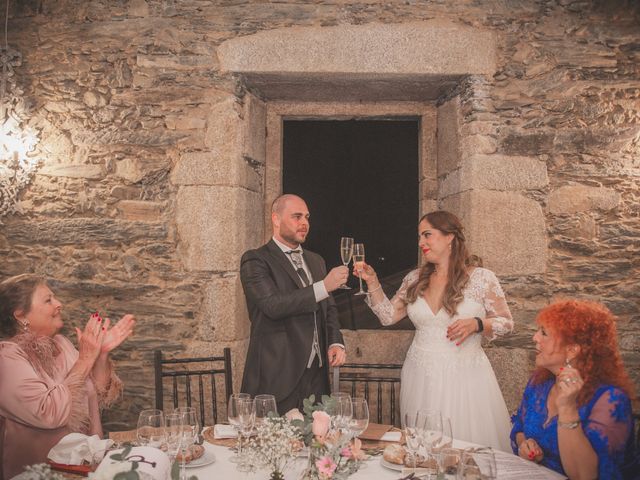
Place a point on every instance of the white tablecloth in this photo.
(509, 467)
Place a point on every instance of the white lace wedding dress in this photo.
(458, 381)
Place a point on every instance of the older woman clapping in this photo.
(48, 388)
(575, 416)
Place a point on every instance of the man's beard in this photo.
(291, 238)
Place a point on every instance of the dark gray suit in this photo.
(282, 323)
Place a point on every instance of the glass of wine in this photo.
(358, 263)
(346, 251)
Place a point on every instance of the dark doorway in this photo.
(359, 179)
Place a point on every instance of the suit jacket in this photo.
(282, 320)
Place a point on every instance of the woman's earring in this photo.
(24, 325)
(567, 362)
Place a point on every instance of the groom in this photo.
(295, 334)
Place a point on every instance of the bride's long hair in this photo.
(459, 261)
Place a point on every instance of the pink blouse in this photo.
(40, 403)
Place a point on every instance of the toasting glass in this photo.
(346, 251)
(358, 263)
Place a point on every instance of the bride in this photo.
(452, 305)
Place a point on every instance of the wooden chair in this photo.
(203, 371)
(385, 380)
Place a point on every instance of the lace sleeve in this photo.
(495, 304)
(608, 429)
(394, 310)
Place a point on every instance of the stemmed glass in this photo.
(358, 263)
(360, 417)
(430, 425)
(412, 436)
(265, 404)
(341, 411)
(346, 251)
(447, 437)
(246, 417)
(150, 431)
(232, 417)
(174, 425)
(190, 431)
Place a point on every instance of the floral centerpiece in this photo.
(332, 453)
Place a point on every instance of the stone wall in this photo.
(154, 174)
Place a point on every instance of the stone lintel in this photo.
(216, 225)
(506, 229)
(426, 48)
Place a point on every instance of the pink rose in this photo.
(326, 466)
(321, 421)
(293, 414)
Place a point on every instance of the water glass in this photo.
(449, 460)
(447, 437)
(478, 464)
(150, 430)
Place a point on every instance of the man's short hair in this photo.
(278, 204)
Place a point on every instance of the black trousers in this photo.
(314, 380)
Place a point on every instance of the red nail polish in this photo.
(104, 328)
(457, 344)
(531, 455)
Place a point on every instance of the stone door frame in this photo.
(278, 111)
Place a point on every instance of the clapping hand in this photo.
(90, 339)
(118, 333)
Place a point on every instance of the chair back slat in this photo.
(385, 380)
(182, 370)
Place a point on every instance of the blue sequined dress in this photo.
(606, 420)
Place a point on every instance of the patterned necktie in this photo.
(296, 258)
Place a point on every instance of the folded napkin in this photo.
(224, 431)
(391, 437)
(152, 463)
(76, 448)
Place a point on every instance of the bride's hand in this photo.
(461, 329)
(367, 273)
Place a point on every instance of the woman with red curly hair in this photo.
(575, 416)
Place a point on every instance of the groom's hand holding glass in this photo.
(337, 276)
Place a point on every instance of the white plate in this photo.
(206, 459)
(391, 466)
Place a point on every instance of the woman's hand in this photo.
(118, 333)
(90, 339)
(530, 450)
(569, 383)
(367, 273)
(460, 330)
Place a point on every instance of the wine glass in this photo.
(174, 434)
(447, 437)
(340, 410)
(246, 419)
(358, 263)
(346, 251)
(412, 436)
(232, 417)
(360, 417)
(265, 404)
(190, 431)
(430, 427)
(150, 429)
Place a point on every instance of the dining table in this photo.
(509, 467)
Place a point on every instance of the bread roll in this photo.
(394, 453)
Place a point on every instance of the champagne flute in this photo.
(346, 251)
(358, 263)
(150, 428)
(174, 434)
(412, 436)
(232, 417)
(190, 430)
(246, 418)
